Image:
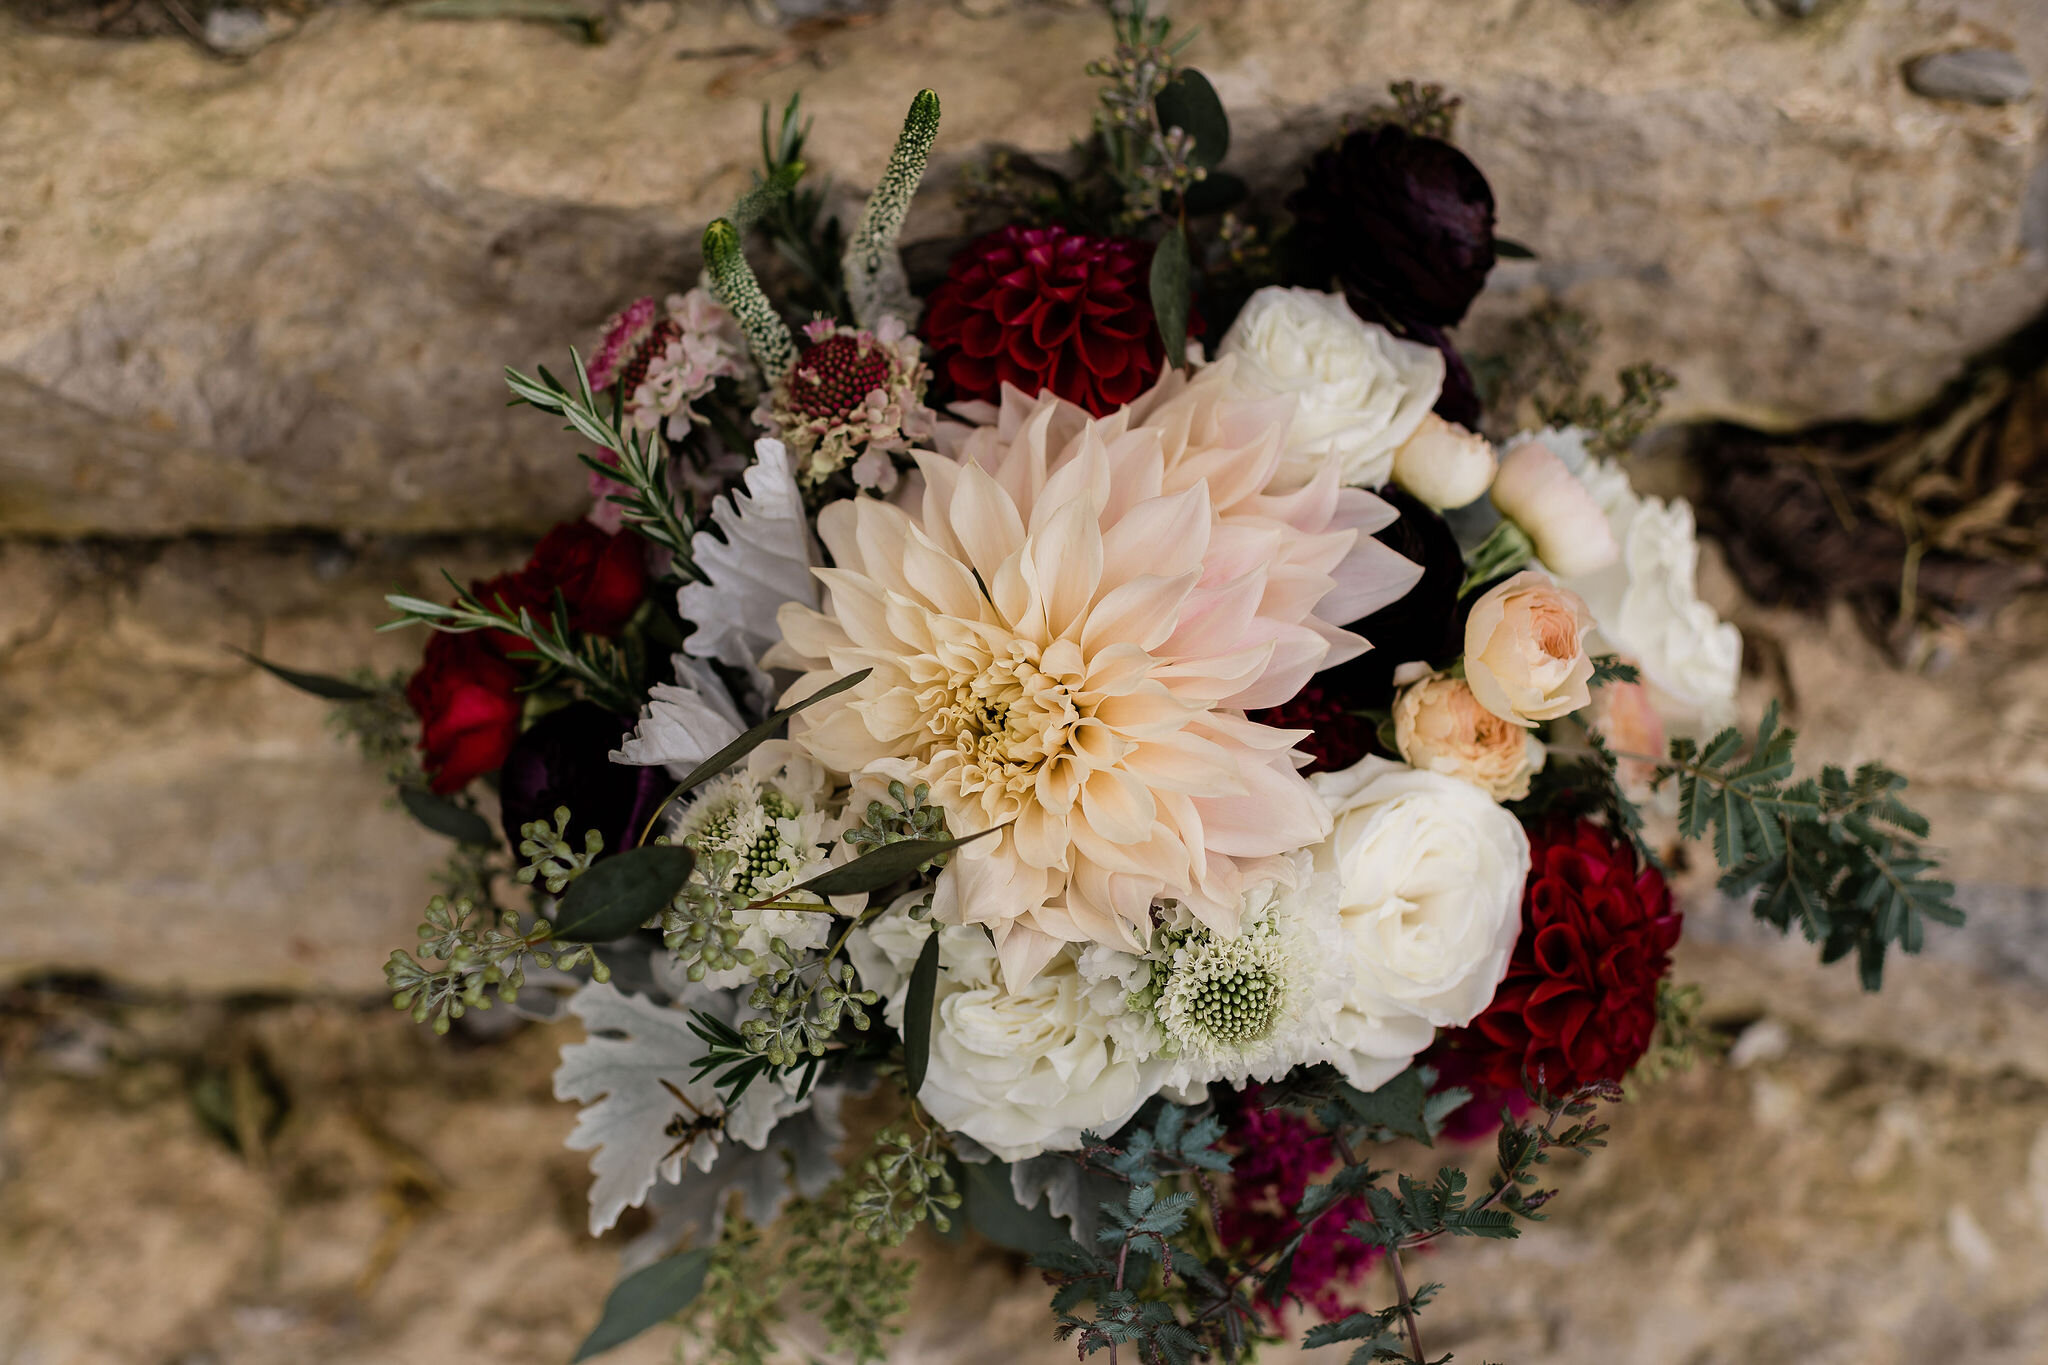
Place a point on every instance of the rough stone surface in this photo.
(1845, 1205)
(1979, 75)
(168, 814)
(278, 292)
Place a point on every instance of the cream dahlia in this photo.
(1065, 635)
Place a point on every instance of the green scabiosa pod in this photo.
(875, 281)
(734, 283)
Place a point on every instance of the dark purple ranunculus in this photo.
(563, 759)
(1406, 223)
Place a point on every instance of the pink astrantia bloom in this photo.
(1066, 627)
(663, 362)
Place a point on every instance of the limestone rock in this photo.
(171, 817)
(279, 292)
(1978, 75)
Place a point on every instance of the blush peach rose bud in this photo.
(1440, 727)
(1525, 650)
(1445, 465)
(1537, 492)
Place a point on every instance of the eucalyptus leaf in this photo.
(882, 867)
(993, 1211)
(1189, 102)
(917, 1014)
(1400, 1106)
(623, 892)
(316, 684)
(762, 733)
(1170, 272)
(443, 816)
(645, 1299)
(1510, 250)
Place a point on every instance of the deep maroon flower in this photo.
(601, 576)
(563, 759)
(1406, 223)
(1045, 308)
(1421, 626)
(1579, 1003)
(465, 696)
(1275, 1157)
(508, 593)
(835, 376)
(1339, 735)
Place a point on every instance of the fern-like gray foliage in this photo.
(1838, 855)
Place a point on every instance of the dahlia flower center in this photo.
(1003, 722)
(834, 377)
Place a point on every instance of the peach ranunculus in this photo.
(1525, 650)
(1066, 634)
(1440, 726)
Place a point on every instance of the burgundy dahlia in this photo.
(1579, 1003)
(1045, 308)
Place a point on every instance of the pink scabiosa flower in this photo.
(851, 395)
(1065, 631)
(663, 361)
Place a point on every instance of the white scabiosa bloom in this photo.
(771, 816)
(1249, 1006)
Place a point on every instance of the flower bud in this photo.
(1445, 465)
(1537, 492)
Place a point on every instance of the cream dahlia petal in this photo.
(1067, 620)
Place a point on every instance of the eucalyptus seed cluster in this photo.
(912, 818)
(476, 955)
(903, 1182)
(1150, 163)
(798, 1020)
(698, 924)
(549, 859)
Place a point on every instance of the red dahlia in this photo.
(1045, 308)
(1579, 1002)
(1338, 734)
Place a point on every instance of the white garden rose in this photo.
(1361, 391)
(1647, 603)
(1429, 872)
(1019, 1072)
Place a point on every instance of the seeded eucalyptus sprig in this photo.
(475, 955)
(596, 664)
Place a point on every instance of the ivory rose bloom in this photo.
(1525, 650)
(1064, 637)
(1648, 607)
(1429, 873)
(1440, 727)
(1025, 1071)
(1362, 390)
(1539, 493)
(1445, 465)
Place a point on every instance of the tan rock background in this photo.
(251, 320)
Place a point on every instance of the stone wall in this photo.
(251, 321)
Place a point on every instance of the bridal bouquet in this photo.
(1086, 746)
